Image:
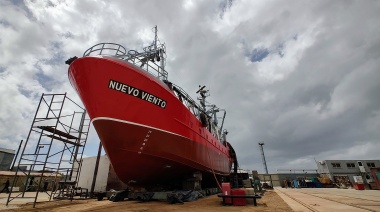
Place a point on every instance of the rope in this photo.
(220, 187)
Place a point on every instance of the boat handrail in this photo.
(139, 59)
(193, 106)
(187, 96)
(112, 49)
(143, 61)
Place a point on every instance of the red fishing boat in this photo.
(152, 131)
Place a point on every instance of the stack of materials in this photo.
(249, 192)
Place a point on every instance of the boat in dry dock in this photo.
(152, 131)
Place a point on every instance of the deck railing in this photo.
(144, 60)
(111, 49)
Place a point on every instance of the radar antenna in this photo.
(203, 96)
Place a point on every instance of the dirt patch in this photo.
(270, 202)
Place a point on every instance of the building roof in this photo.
(9, 151)
(11, 173)
(349, 160)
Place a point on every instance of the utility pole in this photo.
(15, 158)
(265, 163)
(96, 170)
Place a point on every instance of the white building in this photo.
(347, 168)
(106, 178)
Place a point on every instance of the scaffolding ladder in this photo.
(52, 153)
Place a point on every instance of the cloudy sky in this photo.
(301, 76)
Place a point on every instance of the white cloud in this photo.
(319, 97)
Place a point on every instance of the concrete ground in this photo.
(270, 202)
(281, 199)
(16, 202)
(330, 199)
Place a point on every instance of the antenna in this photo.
(155, 38)
(202, 99)
(200, 88)
(156, 52)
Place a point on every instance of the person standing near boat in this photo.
(6, 185)
(46, 184)
(257, 184)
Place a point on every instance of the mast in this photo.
(158, 51)
(202, 98)
(155, 38)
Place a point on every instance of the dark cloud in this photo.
(225, 5)
(20, 5)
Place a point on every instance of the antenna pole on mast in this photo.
(158, 52)
(155, 38)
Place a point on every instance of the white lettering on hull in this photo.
(124, 88)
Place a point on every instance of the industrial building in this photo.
(289, 175)
(24, 182)
(6, 158)
(338, 170)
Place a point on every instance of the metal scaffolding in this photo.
(52, 153)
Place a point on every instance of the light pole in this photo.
(265, 163)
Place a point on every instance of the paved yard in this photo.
(330, 199)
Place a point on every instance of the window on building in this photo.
(360, 163)
(335, 165)
(351, 165)
(371, 165)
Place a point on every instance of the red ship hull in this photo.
(148, 134)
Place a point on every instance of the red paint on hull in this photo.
(143, 139)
